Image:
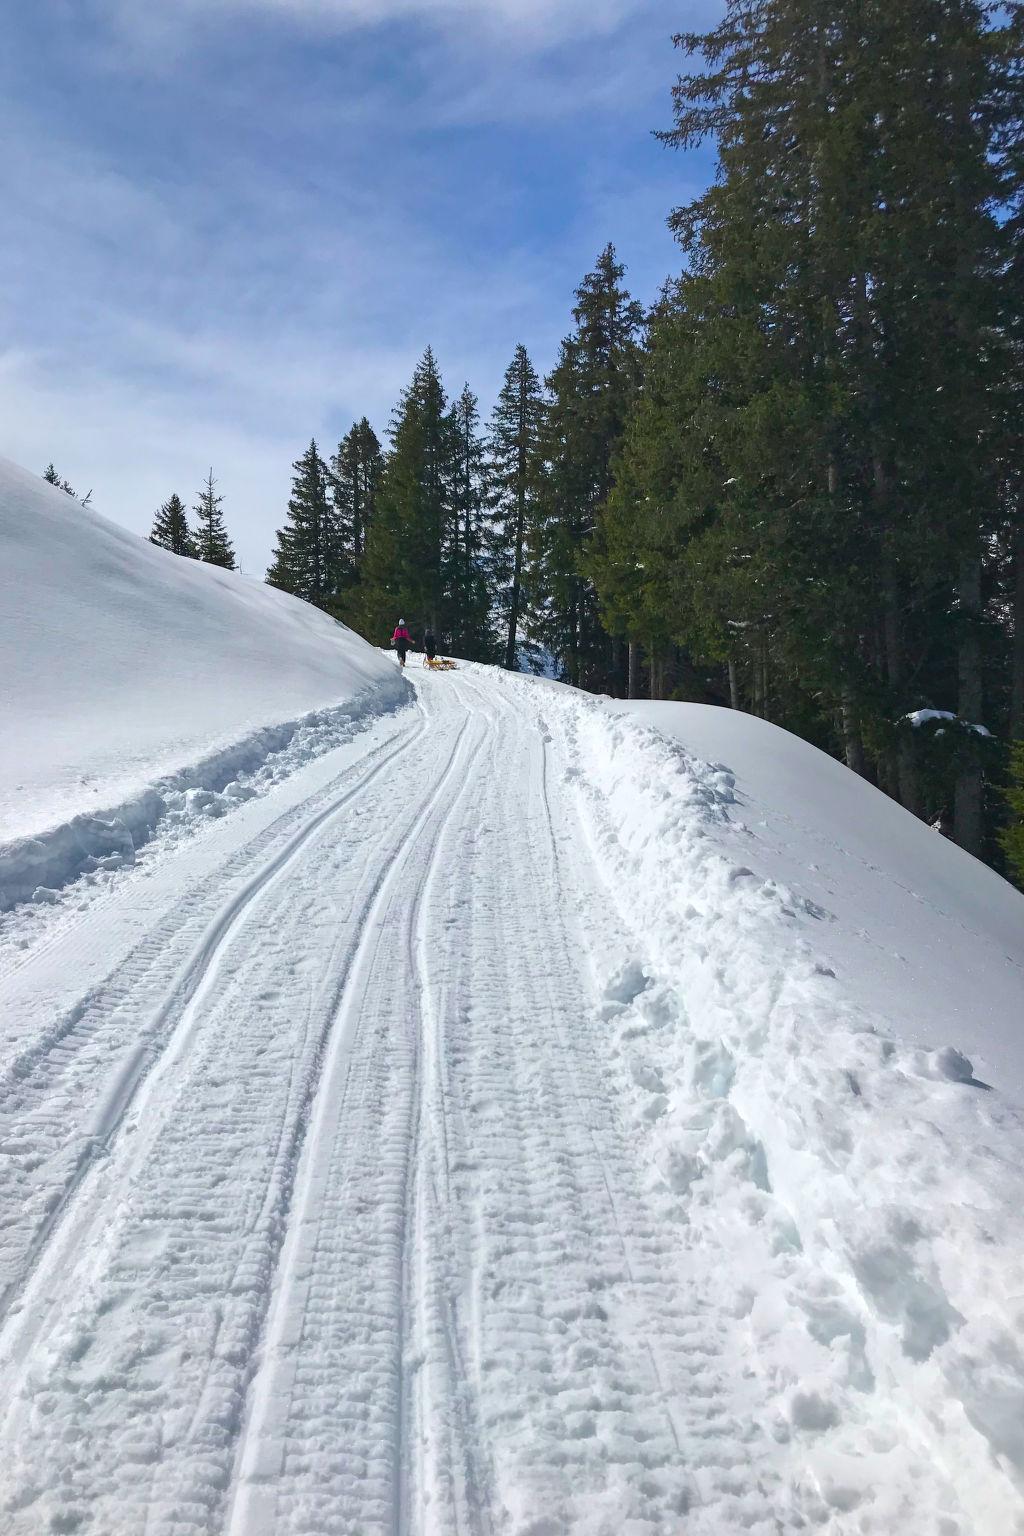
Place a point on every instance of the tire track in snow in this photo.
(157, 1052)
(445, 1487)
(178, 1009)
(291, 1389)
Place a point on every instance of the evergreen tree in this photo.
(355, 475)
(50, 474)
(211, 539)
(171, 530)
(1012, 837)
(513, 474)
(306, 558)
(810, 468)
(403, 571)
(591, 389)
(463, 576)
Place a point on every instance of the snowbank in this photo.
(131, 680)
(821, 1032)
(920, 934)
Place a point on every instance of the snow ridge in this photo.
(96, 843)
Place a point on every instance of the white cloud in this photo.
(277, 270)
(522, 24)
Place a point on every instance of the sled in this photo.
(440, 664)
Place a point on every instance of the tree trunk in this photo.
(734, 687)
(615, 680)
(906, 759)
(853, 744)
(967, 805)
(1017, 665)
(634, 670)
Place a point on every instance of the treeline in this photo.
(797, 485)
(477, 530)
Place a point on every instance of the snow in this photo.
(522, 1114)
(923, 716)
(922, 936)
(129, 677)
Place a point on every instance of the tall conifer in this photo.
(356, 470)
(591, 389)
(514, 480)
(171, 530)
(211, 540)
(305, 560)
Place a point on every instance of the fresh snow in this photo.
(923, 716)
(524, 1114)
(131, 679)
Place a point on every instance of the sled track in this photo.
(251, 1511)
(158, 1047)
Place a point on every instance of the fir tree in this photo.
(1012, 837)
(514, 478)
(171, 530)
(355, 475)
(809, 467)
(211, 539)
(403, 572)
(463, 576)
(590, 389)
(305, 560)
(50, 474)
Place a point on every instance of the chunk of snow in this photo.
(923, 716)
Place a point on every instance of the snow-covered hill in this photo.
(127, 674)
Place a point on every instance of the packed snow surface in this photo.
(528, 1116)
(127, 674)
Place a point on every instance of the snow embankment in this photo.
(135, 685)
(822, 1033)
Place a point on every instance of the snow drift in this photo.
(133, 682)
(820, 1030)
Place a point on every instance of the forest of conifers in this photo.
(796, 485)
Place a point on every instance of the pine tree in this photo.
(50, 474)
(306, 558)
(1012, 837)
(211, 539)
(811, 463)
(171, 530)
(403, 571)
(355, 475)
(590, 390)
(463, 577)
(513, 474)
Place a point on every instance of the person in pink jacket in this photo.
(401, 640)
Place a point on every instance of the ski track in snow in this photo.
(345, 1202)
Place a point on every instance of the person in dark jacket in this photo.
(429, 645)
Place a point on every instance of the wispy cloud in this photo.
(520, 24)
(221, 246)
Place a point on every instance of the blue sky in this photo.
(236, 224)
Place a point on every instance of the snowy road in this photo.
(328, 1207)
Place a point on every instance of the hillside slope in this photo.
(122, 667)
